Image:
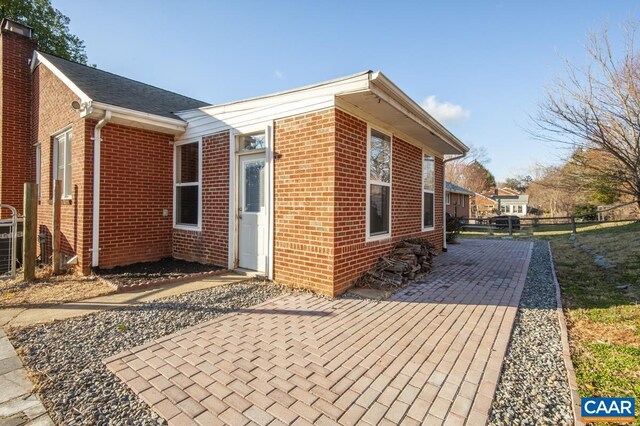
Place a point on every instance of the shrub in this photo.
(454, 227)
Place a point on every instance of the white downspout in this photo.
(95, 233)
(444, 200)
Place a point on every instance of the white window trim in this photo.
(38, 160)
(385, 236)
(448, 194)
(56, 136)
(182, 226)
(422, 191)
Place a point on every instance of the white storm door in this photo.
(252, 215)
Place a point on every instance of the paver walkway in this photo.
(431, 354)
(22, 317)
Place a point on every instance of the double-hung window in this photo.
(62, 161)
(428, 192)
(448, 197)
(379, 181)
(187, 184)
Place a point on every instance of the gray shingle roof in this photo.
(102, 86)
(457, 189)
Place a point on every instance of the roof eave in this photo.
(93, 109)
(126, 116)
(415, 111)
(38, 59)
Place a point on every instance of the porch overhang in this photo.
(384, 101)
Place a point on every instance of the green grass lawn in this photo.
(602, 309)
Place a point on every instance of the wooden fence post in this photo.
(510, 226)
(573, 225)
(29, 230)
(57, 201)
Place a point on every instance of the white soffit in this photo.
(372, 105)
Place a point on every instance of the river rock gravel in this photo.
(66, 356)
(533, 386)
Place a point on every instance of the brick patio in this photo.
(431, 354)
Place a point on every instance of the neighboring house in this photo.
(309, 187)
(483, 206)
(457, 200)
(511, 202)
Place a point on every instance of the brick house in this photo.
(483, 206)
(308, 186)
(456, 200)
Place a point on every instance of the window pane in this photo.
(188, 163)
(187, 205)
(428, 174)
(60, 160)
(428, 219)
(379, 210)
(253, 186)
(67, 172)
(380, 160)
(251, 142)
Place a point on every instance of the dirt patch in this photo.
(51, 290)
(140, 274)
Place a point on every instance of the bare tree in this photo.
(596, 110)
(555, 191)
(470, 172)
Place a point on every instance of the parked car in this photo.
(503, 221)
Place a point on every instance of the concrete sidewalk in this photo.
(18, 405)
(22, 317)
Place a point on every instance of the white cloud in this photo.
(445, 112)
(278, 74)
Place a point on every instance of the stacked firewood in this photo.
(408, 261)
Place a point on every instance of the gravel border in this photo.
(533, 386)
(66, 356)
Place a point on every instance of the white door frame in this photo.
(234, 155)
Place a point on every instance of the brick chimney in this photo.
(16, 50)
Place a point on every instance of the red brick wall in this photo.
(211, 244)
(51, 113)
(15, 110)
(320, 200)
(456, 208)
(136, 182)
(135, 186)
(304, 201)
(353, 254)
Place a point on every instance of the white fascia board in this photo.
(387, 90)
(39, 59)
(170, 124)
(349, 84)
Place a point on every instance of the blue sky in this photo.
(481, 65)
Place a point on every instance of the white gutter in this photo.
(176, 122)
(95, 233)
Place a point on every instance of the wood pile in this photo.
(409, 260)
